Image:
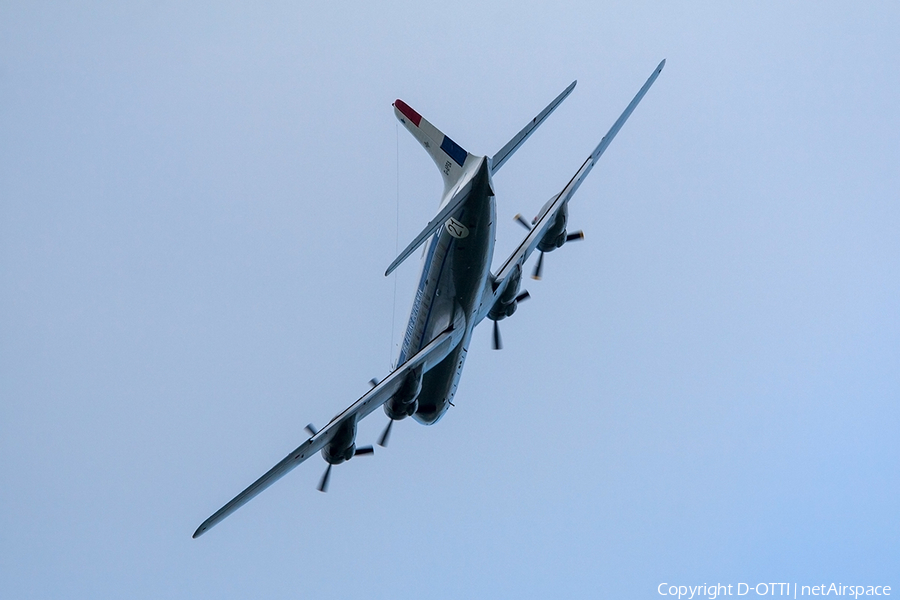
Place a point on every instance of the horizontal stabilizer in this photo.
(436, 223)
(512, 145)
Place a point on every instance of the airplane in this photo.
(456, 291)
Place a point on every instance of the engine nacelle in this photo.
(506, 304)
(555, 235)
(342, 446)
(404, 402)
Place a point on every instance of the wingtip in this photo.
(661, 65)
(200, 531)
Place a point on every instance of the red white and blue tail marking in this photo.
(449, 156)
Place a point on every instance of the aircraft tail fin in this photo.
(512, 145)
(446, 154)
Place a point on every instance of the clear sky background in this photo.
(197, 204)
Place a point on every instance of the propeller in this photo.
(524, 223)
(323, 483)
(386, 435)
(538, 268)
(498, 342)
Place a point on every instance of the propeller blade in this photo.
(311, 429)
(521, 221)
(523, 296)
(364, 450)
(323, 484)
(538, 268)
(383, 440)
(498, 343)
(575, 236)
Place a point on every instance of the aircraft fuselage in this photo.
(455, 267)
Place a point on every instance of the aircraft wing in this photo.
(432, 353)
(548, 213)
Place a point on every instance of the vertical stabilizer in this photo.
(446, 154)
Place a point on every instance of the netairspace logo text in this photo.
(713, 591)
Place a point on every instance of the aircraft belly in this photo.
(459, 288)
(439, 386)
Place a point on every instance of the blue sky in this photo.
(196, 208)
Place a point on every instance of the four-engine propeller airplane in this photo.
(456, 291)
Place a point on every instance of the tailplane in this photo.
(512, 145)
